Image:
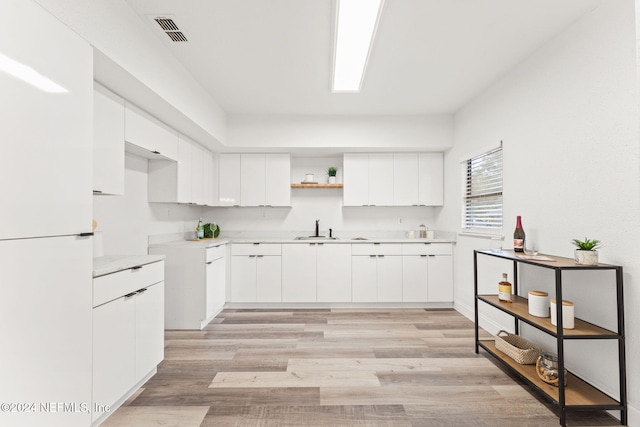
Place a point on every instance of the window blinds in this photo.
(483, 191)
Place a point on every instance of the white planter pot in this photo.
(332, 180)
(586, 257)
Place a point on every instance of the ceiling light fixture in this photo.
(356, 24)
(29, 75)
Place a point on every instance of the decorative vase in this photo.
(586, 257)
(332, 180)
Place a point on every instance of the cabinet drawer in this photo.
(256, 249)
(111, 286)
(376, 249)
(215, 253)
(427, 249)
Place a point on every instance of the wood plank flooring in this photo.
(395, 367)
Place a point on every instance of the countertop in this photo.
(113, 263)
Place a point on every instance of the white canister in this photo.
(309, 177)
(538, 303)
(568, 314)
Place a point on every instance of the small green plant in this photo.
(586, 244)
(332, 171)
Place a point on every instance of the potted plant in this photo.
(586, 252)
(332, 171)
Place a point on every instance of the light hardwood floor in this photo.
(400, 367)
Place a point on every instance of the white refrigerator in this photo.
(46, 80)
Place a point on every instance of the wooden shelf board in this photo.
(558, 262)
(577, 392)
(520, 308)
(317, 185)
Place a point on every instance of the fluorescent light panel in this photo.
(357, 21)
(29, 75)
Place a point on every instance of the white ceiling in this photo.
(429, 56)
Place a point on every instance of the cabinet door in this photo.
(431, 169)
(405, 179)
(215, 286)
(108, 142)
(389, 278)
(114, 343)
(229, 179)
(243, 278)
(364, 278)
(333, 274)
(252, 179)
(278, 180)
(381, 179)
(46, 147)
(46, 312)
(150, 137)
(299, 272)
(197, 174)
(415, 278)
(356, 179)
(149, 322)
(185, 167)
(440, 278)
(210, 179)
(269, 278)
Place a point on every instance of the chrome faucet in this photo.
(317, 228)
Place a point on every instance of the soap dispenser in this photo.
(423, 231)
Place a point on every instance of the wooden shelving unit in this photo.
(317, 185)
(578, 393)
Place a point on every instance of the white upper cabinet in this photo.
(405, 179)
(264, 180)
(197, 174)
(108, 142)
(210, 179)
(229, 180)
(254, 180)
(356, 179)
(148, 137)
(398, 179)
(182, 181)
(431, 167)
(46, 149)
(381, 179)
(277, 180)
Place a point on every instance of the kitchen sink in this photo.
(315, 238)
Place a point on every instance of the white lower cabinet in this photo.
(316, 272)
(114, 346)
(376, 272)
(427, 272)
(128, 332)
(195, 283)
(256, 272)
(333, 273)
(299, 272)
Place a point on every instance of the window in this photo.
(483, 191)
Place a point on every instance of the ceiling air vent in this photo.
(171, 29)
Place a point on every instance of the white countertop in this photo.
(192, 244)
(113, 263)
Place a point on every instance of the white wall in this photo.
(426, 133)
(568, 117)
(127, 221)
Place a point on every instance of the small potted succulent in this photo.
(586, 252)
(332, 171)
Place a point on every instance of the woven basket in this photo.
(517, 348)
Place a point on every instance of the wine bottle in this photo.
(518, 236)
(504, 289)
